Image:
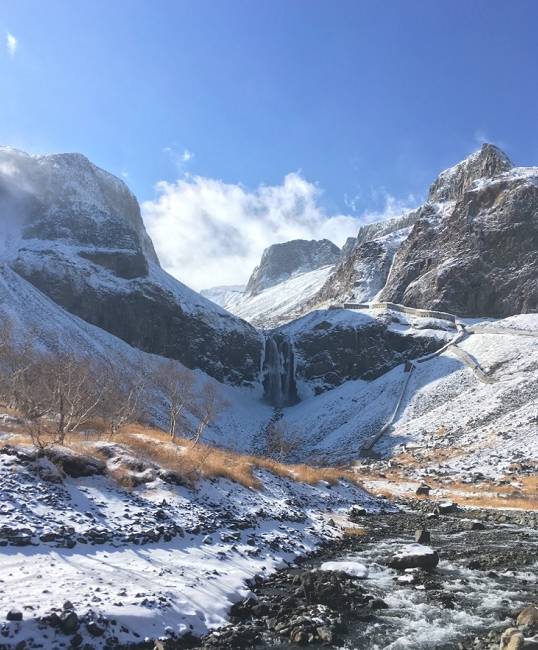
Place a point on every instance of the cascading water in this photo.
(279, 384)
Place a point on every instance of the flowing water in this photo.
(482, 579)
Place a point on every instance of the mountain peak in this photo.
(281, 261)
(487, 162)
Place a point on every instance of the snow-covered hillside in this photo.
(48, 325)
(75, 232)
(276, 305)
(486, 423)
(84, 556)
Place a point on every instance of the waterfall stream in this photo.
(279, 384)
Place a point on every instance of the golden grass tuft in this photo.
(354, 531)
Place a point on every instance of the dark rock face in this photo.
(451, 184)
(78, 236)
(281, 261)
(481, 259)
(328, 353)
(365, 262)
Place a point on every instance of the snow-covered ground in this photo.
(159, 558)
(274, 305)
(487, 426)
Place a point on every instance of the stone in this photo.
(528, 617)
(14, 615)
(422, 536)
(511, 639)
(356, 512)
(415, 556)
(69, 622)
(377, 603)
(446, 507)
(94, 628)
(423, 490)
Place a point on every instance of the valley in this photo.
(177, 467)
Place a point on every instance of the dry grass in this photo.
(354, 531)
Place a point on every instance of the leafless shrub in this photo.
(176, 385)
(123, 396)
(208, 406)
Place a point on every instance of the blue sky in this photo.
(365, 100)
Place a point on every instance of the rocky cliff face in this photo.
(451, 184)
(334, 346)
(365, 262)
(474, 249)
(281, 261)
(75, 232)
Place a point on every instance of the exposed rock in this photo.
(78, 236)
(423, 490)
(473, 254)
(422, 536)
(75, 465)
(528, 617)
(451, 184)
(330, 350)
(445, 508)
(415, 556)
(281, 261)
(69, 622)
(365, 262)
(14, 615)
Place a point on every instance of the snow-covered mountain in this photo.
(470, 249)
(275, 305)
(473, 249)
(282, 261)
(75, 232)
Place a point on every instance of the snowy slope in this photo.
(50, 326)
(277, 304)
(158, 560)
(76, 233)
(494, 423)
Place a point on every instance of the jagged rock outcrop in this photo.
(365, 262)
(334, 346)
(281, 261)
(75, 232)
(474, 249)
(451, 184)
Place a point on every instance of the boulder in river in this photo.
(528, 618)
(415, 556)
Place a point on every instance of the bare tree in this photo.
(122, 398)
(75, 392)
(208, 407)
(177, 386)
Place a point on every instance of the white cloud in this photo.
(178, 157)
(207, 232)
(11, 44)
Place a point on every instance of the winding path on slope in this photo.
(452, 346)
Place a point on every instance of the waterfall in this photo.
(279, 384)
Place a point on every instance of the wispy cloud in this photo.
(179, 156)
(480, 136)
(187, 155)
(11, 44)
(207, 232)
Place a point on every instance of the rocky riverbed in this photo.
(486, 574)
